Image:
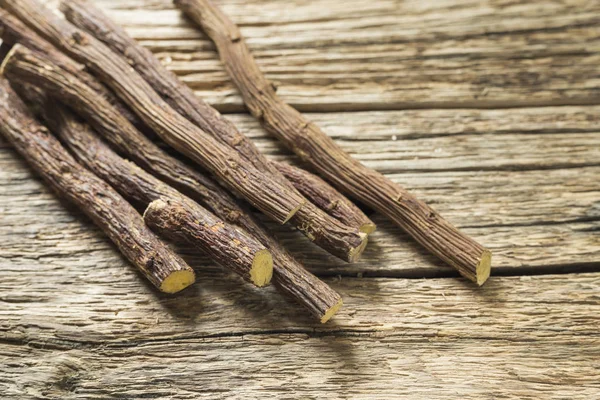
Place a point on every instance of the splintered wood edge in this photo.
(177, 281)
(262, 268)
(332, 311)
(8, 57)
(356, 252)
(293, 212)
(368, 228)
(484, 267)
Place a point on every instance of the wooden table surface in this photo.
(489, 110)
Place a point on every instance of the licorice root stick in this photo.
(314, 147)
(86, 16)
(169, 213)
(109, 211)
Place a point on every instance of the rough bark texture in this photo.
(109, 211)
(317, 297)
(272, 198)
(326, 197)
(313, 146)
(309, 219)
(224, 244)
(13, 31)
(85, 16)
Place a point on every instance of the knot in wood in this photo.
(333, 205)
(232, 164)
(150, 264)
(235, 36)
(237, 140)
(79, 38)
(234, 216)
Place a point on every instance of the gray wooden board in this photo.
(389, 54)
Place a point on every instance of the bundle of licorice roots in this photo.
(83, 103)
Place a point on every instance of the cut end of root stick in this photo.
(262, 268)
(177, 281)
(356, 252)
(332, 311)
(368, 228)
(484, 267)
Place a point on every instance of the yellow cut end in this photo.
(484, 268)
(356, 252)
(368, 228)
(332, 311)
(177, 281)
(293, 212)
(262, 268)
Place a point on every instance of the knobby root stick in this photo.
(109, 211)
(310, 219)
(13, 31)
(289, 276)
(260, 189)
(169, 213)
(314, 147)
(326, 197)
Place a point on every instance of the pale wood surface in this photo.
(77, 322)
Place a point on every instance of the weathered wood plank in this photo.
(95, 299)
(520, 337)
(296, 366)
(389, 54)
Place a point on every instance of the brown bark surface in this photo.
(223, 243)
(313, 146)
(13, 31)
(326, 197)
(311, 220)
(109, 211)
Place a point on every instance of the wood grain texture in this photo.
(388, 54)
(520, 337)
